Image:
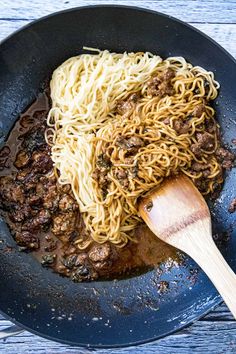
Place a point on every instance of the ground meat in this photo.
(20, 213)
(201, 184)
(101, 257)
(101, 177)
(201, 167)
(67, 203)
(72, 249)
(165, 88)
(196, 149)
(180, 126)
(227, 164)
(100, 253)
(101, 266)
(168, 74)
(166, 121)
(153, 86)
(96, 173)
(42, 219)
(43, 187)
(22, 159)
(34, 201)
(26, 239)
(199, 110)
(23, 175)
(224, 154)
(206, 141)
(51, 198)
(50, 180)
(198, 167)
(40, 189)
(11, 191)
(206, 173)
(126, 107)
(121, 175)
(81, 259)
(47, 190)
(225, 157)
(40, 211)
(63, 225)
(28, 179)
(131, 144)
(161, 85)
(232, 206)
(42, 162)
(16, 194)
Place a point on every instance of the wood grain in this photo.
(197, 11)
(208, 336)
(216, 332)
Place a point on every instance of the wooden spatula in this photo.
(177, 213)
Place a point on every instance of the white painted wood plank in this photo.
(8, 26)
(224, 34)
(211, 11)
(221, 313)
(211, 337)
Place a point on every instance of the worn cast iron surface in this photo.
(128, 311)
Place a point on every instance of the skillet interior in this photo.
(130, 310)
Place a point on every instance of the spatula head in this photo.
(173, 207)
(177, 213)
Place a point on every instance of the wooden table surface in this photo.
(216, 332)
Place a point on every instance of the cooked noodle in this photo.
(88, 134)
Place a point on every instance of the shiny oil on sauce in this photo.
(146, 253)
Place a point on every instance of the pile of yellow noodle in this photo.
(83, 124)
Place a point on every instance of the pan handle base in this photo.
(10, 331)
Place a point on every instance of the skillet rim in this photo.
(137, 8)
(216, 299)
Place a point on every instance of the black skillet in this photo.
(128, 311)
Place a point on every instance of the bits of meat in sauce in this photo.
(161, 85)
(44, 217)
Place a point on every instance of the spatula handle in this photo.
(214, 265)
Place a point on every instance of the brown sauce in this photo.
(34, 219)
